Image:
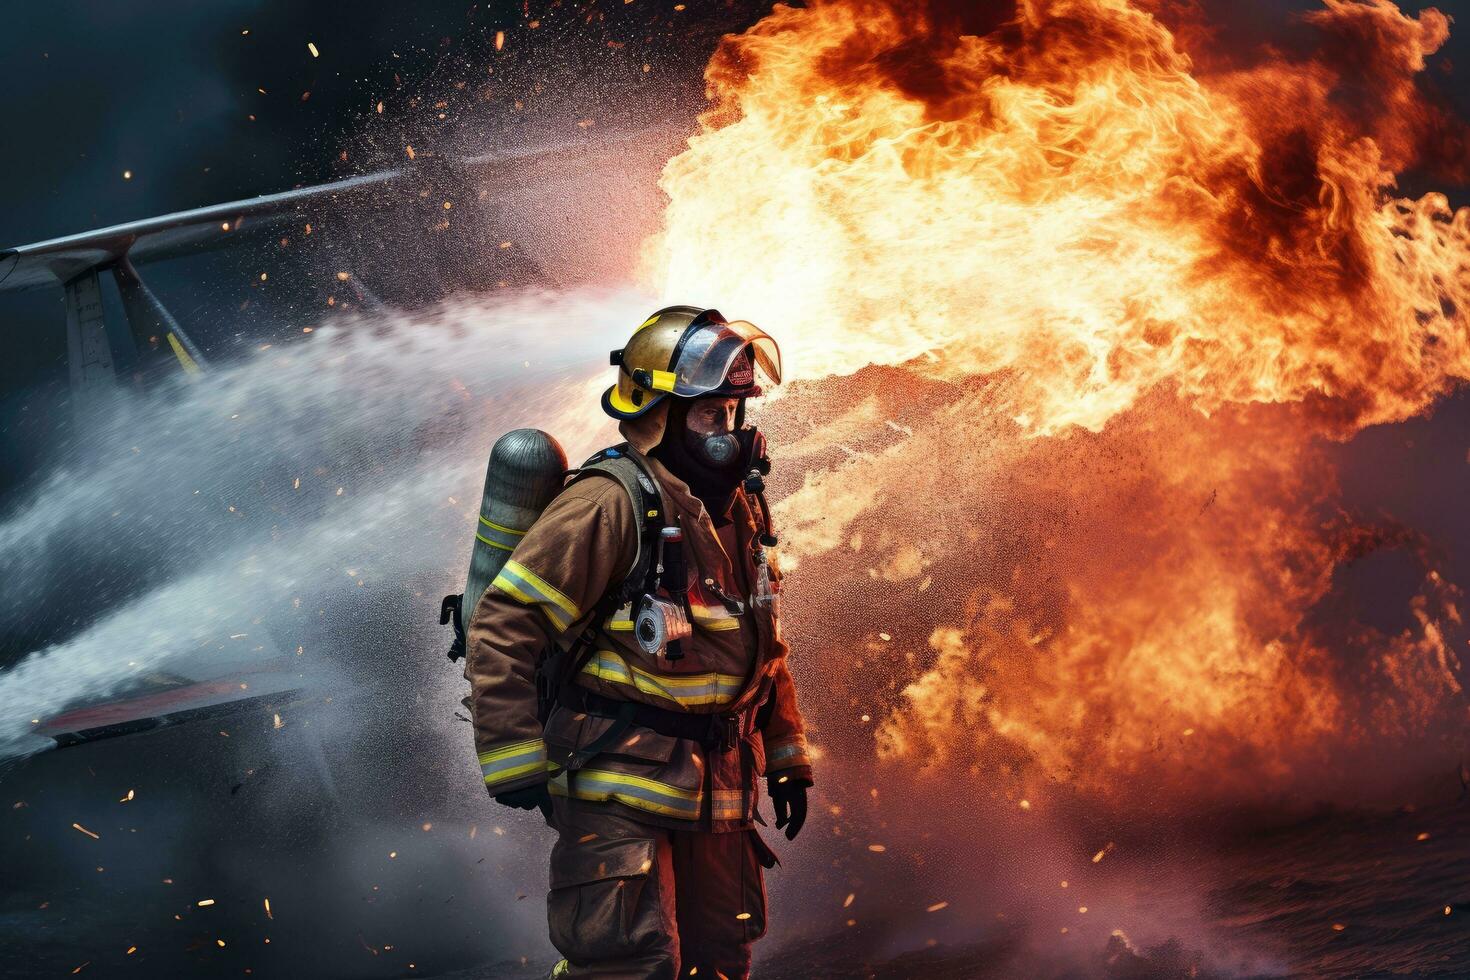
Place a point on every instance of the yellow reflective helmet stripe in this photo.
(663, 380)
(647, 323)
(524, 585)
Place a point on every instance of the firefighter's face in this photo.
(709, 431)
(711, 416)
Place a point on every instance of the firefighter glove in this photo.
(788, 795)
(532, 798)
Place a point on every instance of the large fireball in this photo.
(1124, 302)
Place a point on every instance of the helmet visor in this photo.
(705, 354)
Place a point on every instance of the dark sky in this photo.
(209, 102)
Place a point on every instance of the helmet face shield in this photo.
(705, 354)
(689, 352)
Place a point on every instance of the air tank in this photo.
(527, 469)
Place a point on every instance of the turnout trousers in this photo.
(637, 901)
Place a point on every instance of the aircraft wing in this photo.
(174, 700)
(57, 261)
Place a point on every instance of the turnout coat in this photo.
(735, 663)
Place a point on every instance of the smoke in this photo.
(280, 487)
(313, 501)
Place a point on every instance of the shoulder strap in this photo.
(648, 510)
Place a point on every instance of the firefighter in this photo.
(643, 753)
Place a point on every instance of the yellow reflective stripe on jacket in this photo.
(639, 792)
(498, 535)
(512, 761)
(714, 618)
(684, 690)
(787, 754)
(519, 582)
(621, 621)
(728, 804)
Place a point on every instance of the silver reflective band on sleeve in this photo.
(791, 753)
(519, 582)
(512, 761)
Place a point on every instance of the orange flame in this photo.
(1121, 290)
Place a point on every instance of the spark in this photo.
(128, 798)
(312, 48)
(937, 906)
(851, 897)
(86, 831)
(268, 909)
(205, 903)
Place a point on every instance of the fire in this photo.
(1123, 290)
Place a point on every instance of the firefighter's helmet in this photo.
(691, 353)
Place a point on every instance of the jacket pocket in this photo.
(568, 732)
(597, 889)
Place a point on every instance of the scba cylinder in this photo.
(527, 469)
